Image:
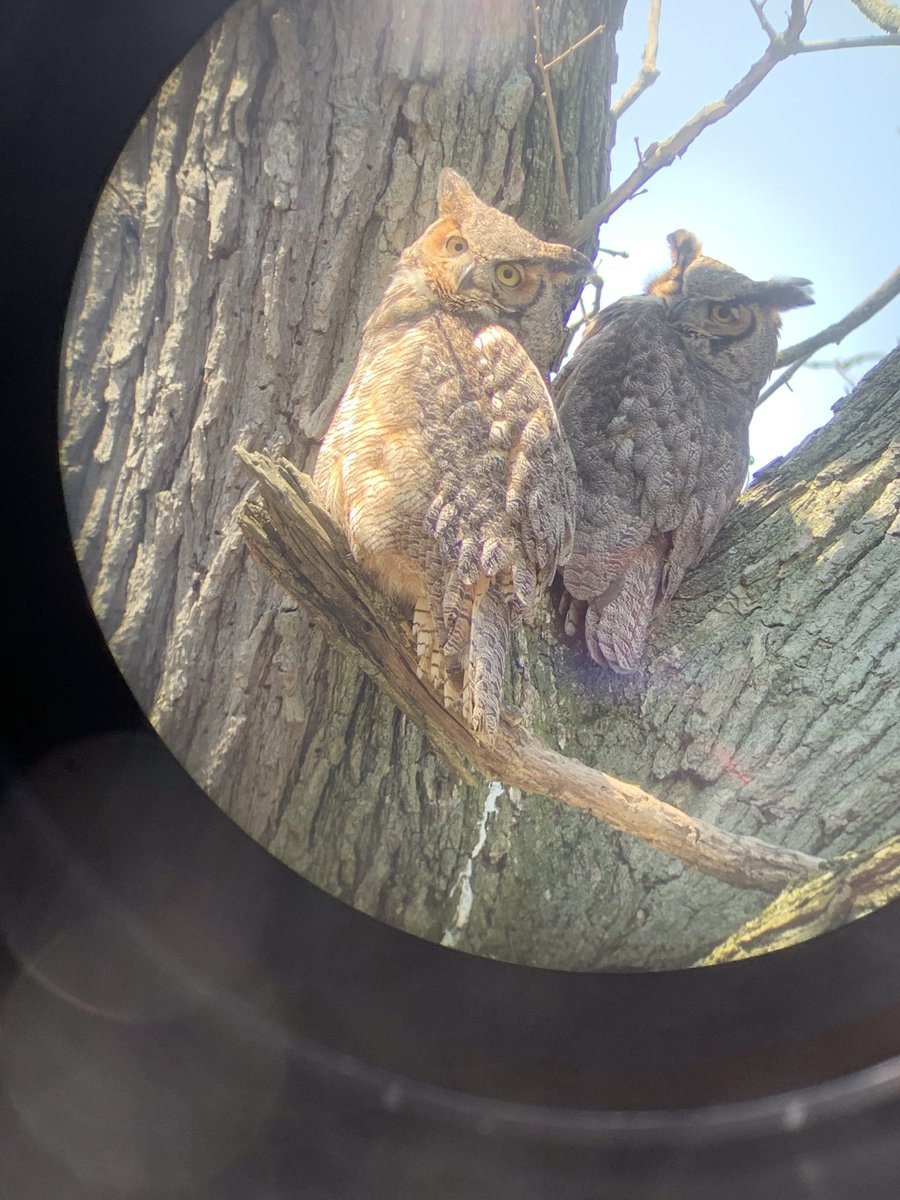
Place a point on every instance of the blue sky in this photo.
(802, 179)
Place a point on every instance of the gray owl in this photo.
(656, 403)
(445, 464)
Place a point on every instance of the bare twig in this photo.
(883, 294)
(588, 312)
(837, 364)
(842, 366)
(768, 29)
(572, 332)
(857, 43)
(664, 153)
(782, 379)
(565, 208)
(544, 68)
(300, 547)
(571, 50)
(648, 74)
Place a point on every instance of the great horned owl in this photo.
(445, 464)
(656, 403)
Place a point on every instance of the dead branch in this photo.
(794, 357)
(565, 208)
(544, 68)
(663, 154)
(768, 29)
(585, 319)
(857, 43)
(843, 366)
(648, 74)
(577, 46)
(296, 543)
(855, 885)
(587, 312)
(784, 378)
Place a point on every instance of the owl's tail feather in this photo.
(429, 659)
(458, 600)
(616, 623)
(488, 650)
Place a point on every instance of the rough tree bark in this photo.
(243, 238)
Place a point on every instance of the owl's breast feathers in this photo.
(646, 423)
(504, 476)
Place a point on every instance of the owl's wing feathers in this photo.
(648, 504)
(503, 474)
(703, 517)
(616, 622)
(615, 401)
(502, 510)
(456, 491)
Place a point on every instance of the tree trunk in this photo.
(245, 235)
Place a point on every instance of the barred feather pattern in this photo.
(457, 496)
(445, 464)
(656, 403)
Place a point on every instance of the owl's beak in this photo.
(465, 278)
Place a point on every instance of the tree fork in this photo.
(294, 540)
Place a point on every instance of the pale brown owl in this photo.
(444, 464)
(656, 403)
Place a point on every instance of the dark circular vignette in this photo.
(183, 1015)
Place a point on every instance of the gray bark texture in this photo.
(886, 16)
(243, 238)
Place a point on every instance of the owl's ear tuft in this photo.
(684, 248)
(781, 293)
(455, 196)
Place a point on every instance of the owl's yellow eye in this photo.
(723, 312)
(508, 274)
(456, 245)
